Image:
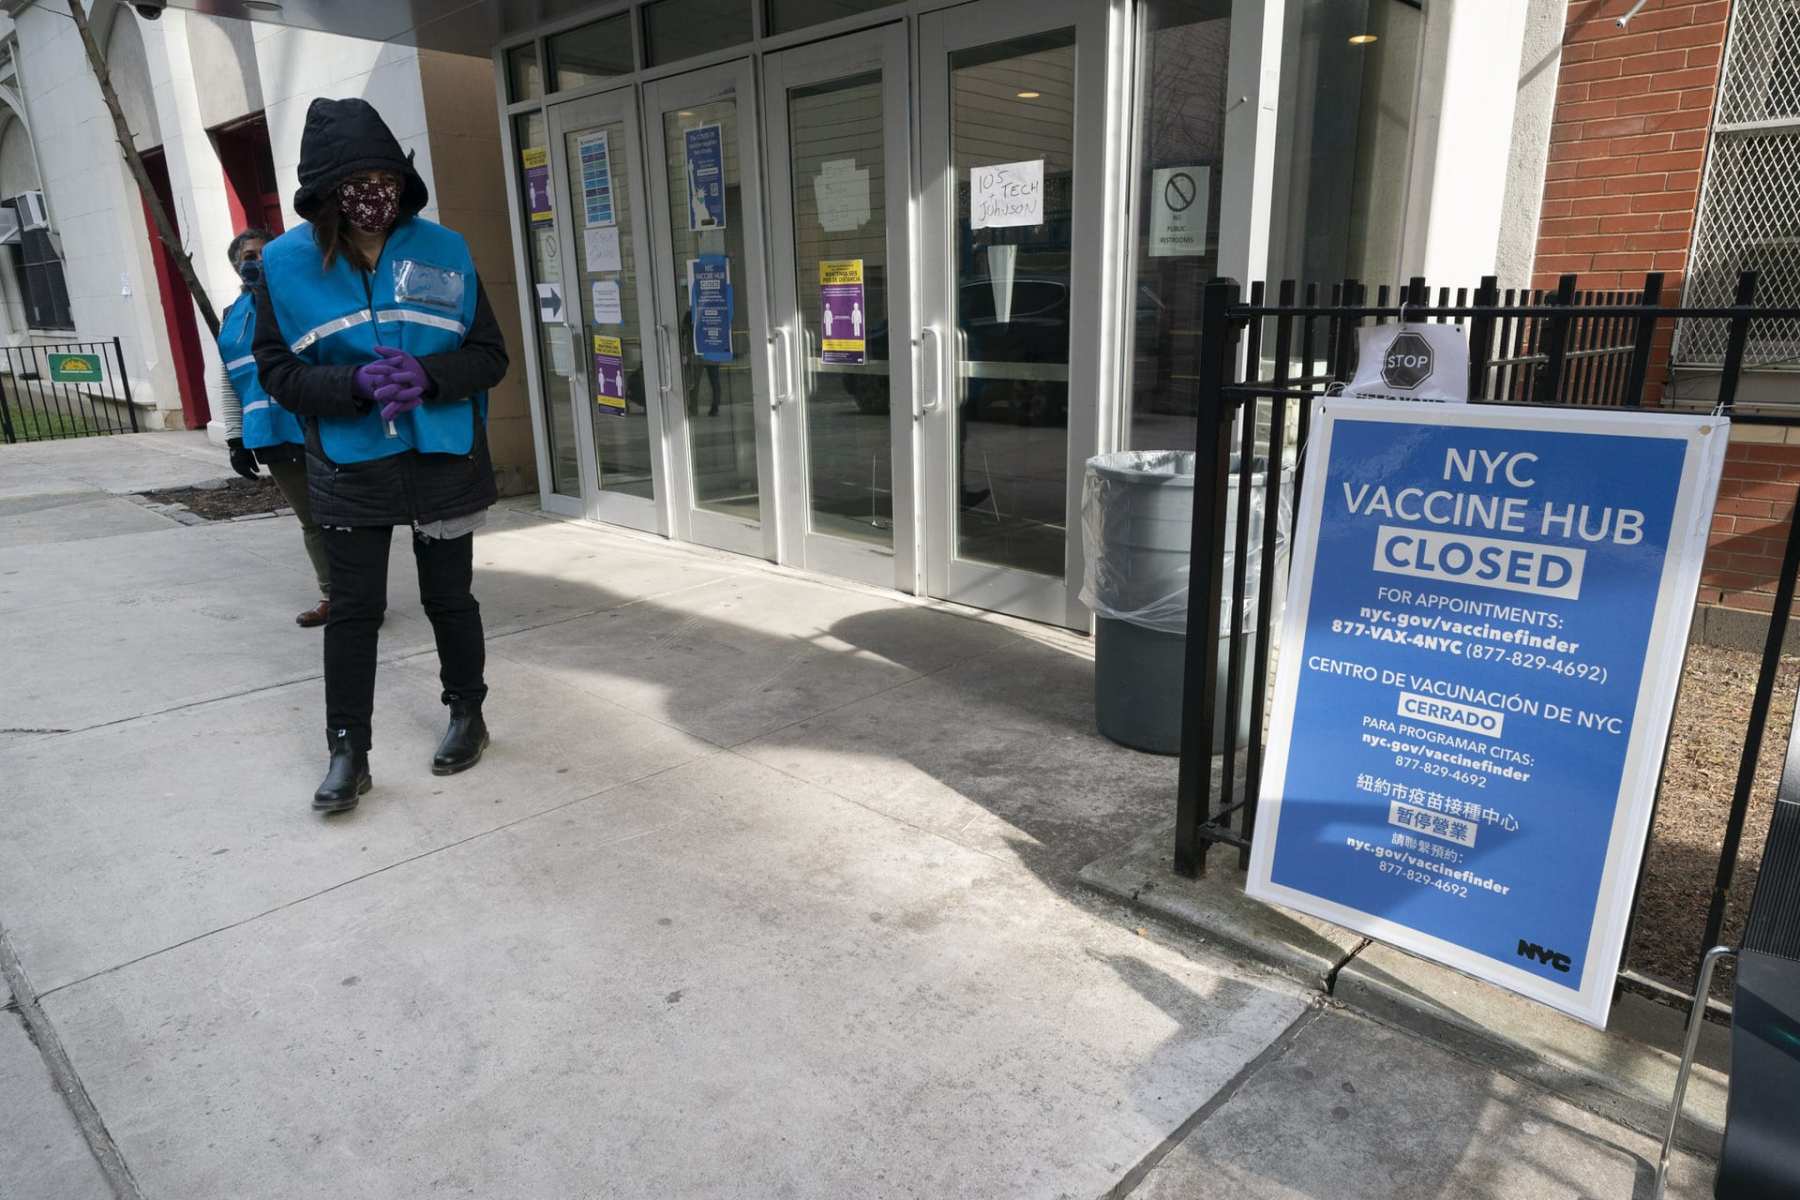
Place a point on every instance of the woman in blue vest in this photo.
(258, 431)
(372, 327)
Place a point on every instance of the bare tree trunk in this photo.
(165, 230)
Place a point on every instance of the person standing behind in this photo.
(257, 430)
(373, 326)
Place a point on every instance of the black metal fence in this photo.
(64, 390)
(1268, 362)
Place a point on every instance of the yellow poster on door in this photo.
(609, 375)
(843, 317)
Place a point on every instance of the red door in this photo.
(178, 306)
(249, 174)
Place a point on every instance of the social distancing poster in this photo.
(1485, 628)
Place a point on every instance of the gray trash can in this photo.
(1137, 516)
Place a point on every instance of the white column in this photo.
(1252, 97)
(1464, 137)
(202, 213)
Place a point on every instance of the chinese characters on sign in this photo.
(1485, 626)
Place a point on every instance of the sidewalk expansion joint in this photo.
(62, 1073)
(1269, 1055)
(1331, 976)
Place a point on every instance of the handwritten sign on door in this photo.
(1006, 194)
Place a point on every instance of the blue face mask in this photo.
(250, 271)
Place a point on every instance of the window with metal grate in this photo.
(1749, 217)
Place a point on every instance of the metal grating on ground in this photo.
(1750, 209)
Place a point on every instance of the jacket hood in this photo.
(341, 138)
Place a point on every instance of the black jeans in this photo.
(359, 570)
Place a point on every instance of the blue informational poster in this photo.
(705, 176)
(710, 302)
(1485, 627)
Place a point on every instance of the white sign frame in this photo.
(1665, 654)
(1179, 234)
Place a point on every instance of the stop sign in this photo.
(1408, 362)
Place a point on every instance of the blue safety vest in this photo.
(420, 298)
(266, 423)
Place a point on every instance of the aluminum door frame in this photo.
(621, 105)
(882, 49)
(690, 522)
(1099, 194)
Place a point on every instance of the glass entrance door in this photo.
(604, 307)
(711, 328)
(839, 170)
(1014, 166)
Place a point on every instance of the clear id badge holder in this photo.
(418, 282)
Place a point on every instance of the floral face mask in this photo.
(370, 204)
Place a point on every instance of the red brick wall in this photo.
(1627, 146)
(1750, 524)
(1628, 140)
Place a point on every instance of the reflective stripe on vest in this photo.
(266, 423)
(420, 298)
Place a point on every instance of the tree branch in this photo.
(165, 230)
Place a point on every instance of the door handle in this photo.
(573, 329)
(662, 359)
(930, 399)
(962, 357)
(781, 368)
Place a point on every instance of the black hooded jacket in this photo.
(341, 138)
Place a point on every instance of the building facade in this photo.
(217, 106)
(858, 286)
(1675, 147)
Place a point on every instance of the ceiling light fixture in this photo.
(1029, 95)
(1361, 39)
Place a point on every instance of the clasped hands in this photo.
(396, 381)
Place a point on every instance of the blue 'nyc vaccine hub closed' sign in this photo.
(1477, 669)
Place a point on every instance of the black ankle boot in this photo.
(463, 742)
(346, 778)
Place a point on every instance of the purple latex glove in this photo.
(368, 378)
(405, 385)
(405, 370)
(405, 404)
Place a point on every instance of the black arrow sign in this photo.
(550, 303)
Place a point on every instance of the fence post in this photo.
(1416, 293)
(1556, 341)
(1734, 345)
(1646, 335)
(1481, 335)
(1753, 735)
(125, 378)
(6, 425)
(1343, 331)
(1206, 574)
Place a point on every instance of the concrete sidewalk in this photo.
(767, 888)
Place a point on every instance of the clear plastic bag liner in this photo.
(1137, 511)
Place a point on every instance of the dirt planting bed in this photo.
(237, 497)
(1705, 745)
